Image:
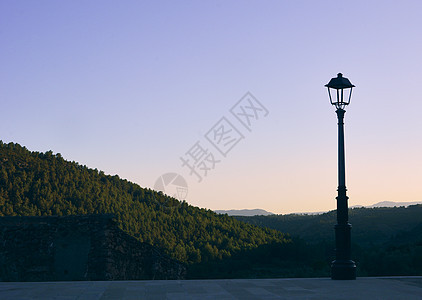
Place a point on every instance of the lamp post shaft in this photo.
(342, 206)
(342, 267)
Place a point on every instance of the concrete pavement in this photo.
(312, 288)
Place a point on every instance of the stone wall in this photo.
(86, 247)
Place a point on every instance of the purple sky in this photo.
(129, 87)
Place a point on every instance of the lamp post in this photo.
(343, 267)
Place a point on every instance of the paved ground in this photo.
(315, 288)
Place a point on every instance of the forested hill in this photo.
(370, 226)
(33, 184)
(385, 241)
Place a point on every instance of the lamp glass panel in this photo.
(347, 93)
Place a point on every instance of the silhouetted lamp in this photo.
(343, 267)
(340, 91)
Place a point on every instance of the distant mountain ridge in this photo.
(389, 204)
(245, 212)
(262, 212)
(376, 205)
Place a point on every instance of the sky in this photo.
(145, 88)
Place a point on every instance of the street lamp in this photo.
(343, 267)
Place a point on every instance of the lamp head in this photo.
(340, 91)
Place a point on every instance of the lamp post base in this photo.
(343, 270)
